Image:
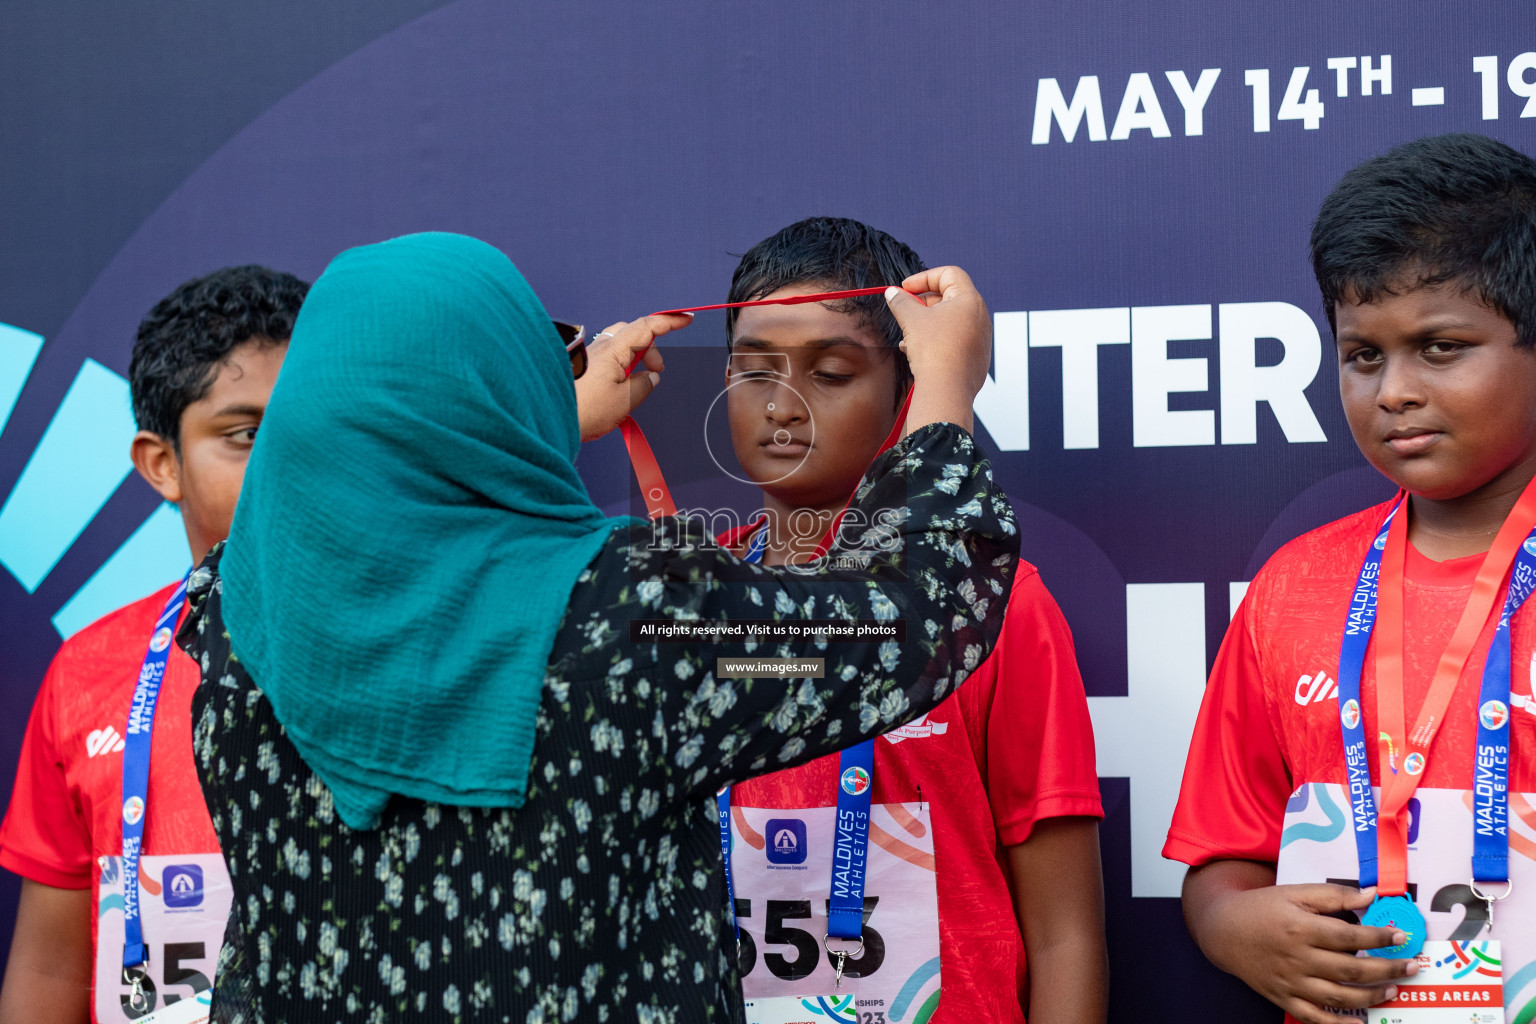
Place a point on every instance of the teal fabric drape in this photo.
(411, 526)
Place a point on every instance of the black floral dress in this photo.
(602, 898)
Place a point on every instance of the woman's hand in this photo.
(947, 336)
(606, 393)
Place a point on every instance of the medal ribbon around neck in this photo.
(1414, 747)
(1382, 573)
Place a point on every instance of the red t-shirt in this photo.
(1013, 746)
(1267, 751)
(65, 813)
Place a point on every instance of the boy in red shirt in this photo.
(202, 369)
(1369, 726)
(982, 872)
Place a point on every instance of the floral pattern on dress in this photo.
(602, 897)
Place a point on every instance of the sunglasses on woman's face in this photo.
(574, 336)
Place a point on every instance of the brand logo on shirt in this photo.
(1413, 764)
(917, 730)
(161, 640)
(786, 841)
(1349, 714)
(1493, 714)
(1315, 689)
(855, 781)
(103, 741)
(183, 884)
(133, 810)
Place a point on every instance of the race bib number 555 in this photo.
(185, 901)
(781, 863)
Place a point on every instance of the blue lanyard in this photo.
(136, 743)
(723, 810)
(1490, 791)
(1490, 784)
(850, 844)
(755, 549)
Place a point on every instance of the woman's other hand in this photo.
(947, 336)
(607, 393)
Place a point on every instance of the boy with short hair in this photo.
(982, 854)
(202, 369)
(1369, 653)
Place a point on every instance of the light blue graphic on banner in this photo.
(77, 466)
(18, 351)
(154, 555)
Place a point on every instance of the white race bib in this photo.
(183, 927)
(781, 865)
(1457, 983)
(1318, 845)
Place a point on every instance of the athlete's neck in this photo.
(795, 531)
(1466, 525)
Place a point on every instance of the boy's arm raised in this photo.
(1282, 942)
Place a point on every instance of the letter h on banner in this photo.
(1145, 734)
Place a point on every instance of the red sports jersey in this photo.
(1012, 747)
(1265, 779)
(63, 827)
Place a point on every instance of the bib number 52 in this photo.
(807, 947)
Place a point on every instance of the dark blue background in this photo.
(622, 154)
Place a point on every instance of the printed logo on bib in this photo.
(1493, 714)
(805, 1010)
(133, 810)
(782, 914)
(161, 640)
(183, 885)
(184, 914)
(1460, 968)
(785, 841)
(855, 781)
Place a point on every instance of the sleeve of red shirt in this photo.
(44, 837)
(1236, 783)
(1040, 757)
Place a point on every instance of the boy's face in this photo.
(1437, 396)
(216, 436)
(795, 366)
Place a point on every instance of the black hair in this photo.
(1450, 208)
(190, 333)
(841, 254)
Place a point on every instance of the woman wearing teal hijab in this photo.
(444, 778)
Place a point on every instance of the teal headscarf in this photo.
(411, 526)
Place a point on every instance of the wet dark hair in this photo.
(190, 333)
(1450, 208)
(841, 254)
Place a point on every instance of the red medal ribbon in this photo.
(653, 484)
(1406, 758)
